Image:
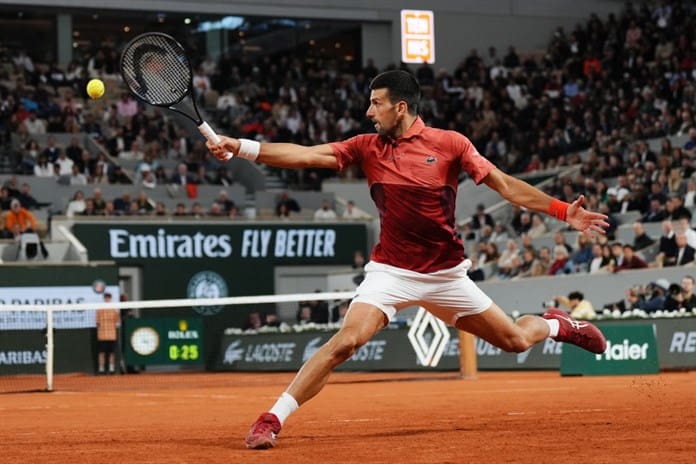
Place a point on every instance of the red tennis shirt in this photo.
(413, 181)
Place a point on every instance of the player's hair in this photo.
(402, 86)
(576, 296)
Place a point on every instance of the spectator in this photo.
(76, 177)
(271, 320)
(254, 321)
(509, 260)
(64, 164)
(76, 205)
(538, 227)
(5, 198)
(560, 239)
(475, 273)
(542, 264)
(180, 210)
(350, 212)
(630, 260)
(656, 213)
(122, 204)
(560, 261)
(688, 297)
(481, 218)
(580, 308)
(338, 312)
(143, 203)
(98, 199)
(685, 252)
(640, 238)
(599, 262)
(224, 201)
(19, 220)
(182, 178)
(655, 295)
(42, 168)
(52, 150)
(673, 298)
(304, 314)
(27, 199)
(325, 212)
(633, 300)
(286, 205)
(108, 323)
(583, 253)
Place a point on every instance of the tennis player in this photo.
(412, 172)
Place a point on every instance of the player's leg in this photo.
(462, 303)
(498, 329)
(361, 323)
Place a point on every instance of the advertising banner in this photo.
(218, 259)
(631, 349)
(157, 341)
(24, 351)
(40, 295)
(389, 350)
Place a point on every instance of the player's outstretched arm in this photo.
(281, 155)
(521, 193)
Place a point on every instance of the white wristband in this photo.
(249, 149)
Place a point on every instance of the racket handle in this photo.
(211, 136)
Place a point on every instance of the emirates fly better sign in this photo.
(417, 36)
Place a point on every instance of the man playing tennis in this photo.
(412, 171)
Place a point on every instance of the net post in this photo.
(468, 367)
(49, 349)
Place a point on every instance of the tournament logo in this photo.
(99, 286)
(207, 284)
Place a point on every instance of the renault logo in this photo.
(428, 352)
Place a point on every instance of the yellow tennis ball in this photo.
(95, 88)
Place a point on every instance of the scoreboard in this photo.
(164, 340)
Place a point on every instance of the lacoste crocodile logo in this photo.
(430, 159)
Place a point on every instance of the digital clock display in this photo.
(186, 352)
(155, 341)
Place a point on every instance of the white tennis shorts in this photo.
(448, 294)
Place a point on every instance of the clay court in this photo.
(501, 417)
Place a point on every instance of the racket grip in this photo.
(211, 136)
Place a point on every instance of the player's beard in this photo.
(391, 131)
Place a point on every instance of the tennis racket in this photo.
(155, 69)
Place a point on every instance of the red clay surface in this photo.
(535, 417)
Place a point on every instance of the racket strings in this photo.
(157, 70)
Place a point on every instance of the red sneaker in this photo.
(262, 434)
(579, 333)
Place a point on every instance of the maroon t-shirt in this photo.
(413, 181)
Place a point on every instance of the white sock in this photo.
(285, 406)
(553, 327)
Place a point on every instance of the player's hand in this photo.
(586, 221)
(226, 145)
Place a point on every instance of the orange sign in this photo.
(417, 36)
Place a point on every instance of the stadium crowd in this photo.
(591, 99)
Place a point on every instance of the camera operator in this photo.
(634, 300)
(580, 308)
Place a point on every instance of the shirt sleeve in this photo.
(472, 162)
(349, 151)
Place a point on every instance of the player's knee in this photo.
(515, 344)
(345, 345)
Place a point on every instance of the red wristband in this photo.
(558, 209)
